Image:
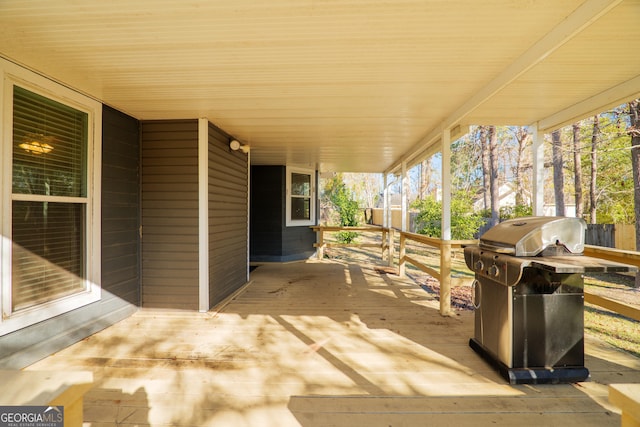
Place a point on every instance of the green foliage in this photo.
(510, 212)
(464, 224)
(348, 210)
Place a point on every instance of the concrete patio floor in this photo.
(321, 344)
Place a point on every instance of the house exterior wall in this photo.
(120, 249)
(228, 216)
(170, 214)
(271, 240)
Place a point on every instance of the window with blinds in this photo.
(49, 200)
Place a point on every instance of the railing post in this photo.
(445, 278)
(391, 247)
(403, 244)
(383, 242)
(319, 243)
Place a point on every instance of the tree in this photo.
(577, 164)
(486, 171)
(558, 172)
(348, 210)
(492, 136)
(464, 224)
(593, 198)
(425, 178)
(522, 137)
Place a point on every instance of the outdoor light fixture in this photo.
(37, 143)
(235, 145)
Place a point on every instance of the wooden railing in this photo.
(443, 274)
(387, 236)
(446, 247)
(616, 255)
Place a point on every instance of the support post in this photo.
(385, 202)
(401, 262)
(383, 242)
(320, 243)
(391, 247)
(446, 185)
(445, 248)
(445, 278)
(404, 182)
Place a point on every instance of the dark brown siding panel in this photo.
(228, 209)
(170, 214)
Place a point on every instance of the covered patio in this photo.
(321, 343)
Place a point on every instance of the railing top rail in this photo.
(612, 254)
(437, 242)
(358, 228)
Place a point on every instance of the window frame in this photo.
(14, 75)
(290, 170)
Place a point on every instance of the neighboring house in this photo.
(102, 214)
(506, 197)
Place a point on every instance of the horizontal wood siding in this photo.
(271, 240)
(297, 243)
(120, 254)
(121, 206)
(228, 211)
(170, 214)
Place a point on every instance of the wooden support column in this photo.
(403, 251)
(319, 243)
(446, 185)
(445, 248)
(391, 248)
(404, 182)
(445, 278)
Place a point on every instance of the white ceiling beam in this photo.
(588, 12)
(617, 95)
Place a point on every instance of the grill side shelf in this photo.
(580, 264)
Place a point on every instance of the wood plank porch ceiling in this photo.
(340, 85)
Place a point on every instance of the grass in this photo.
(616, 330)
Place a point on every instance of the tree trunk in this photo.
(484, 156)
(558, 172)
(492, 136)
(425, 178)
(577, 165)
(521, 136)
(634, 131)
(593, 197)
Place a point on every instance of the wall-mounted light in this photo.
(235, 145)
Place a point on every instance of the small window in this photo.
(300, 197)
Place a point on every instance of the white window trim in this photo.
(296, 223)
(13, 74)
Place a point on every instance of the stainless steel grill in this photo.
(529, 298)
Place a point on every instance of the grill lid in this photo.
(530, 236)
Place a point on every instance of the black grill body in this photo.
(529, 317)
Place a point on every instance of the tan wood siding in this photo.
(170, 214)
(228, 209)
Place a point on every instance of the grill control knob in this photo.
(479, 265)
(494, 271)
